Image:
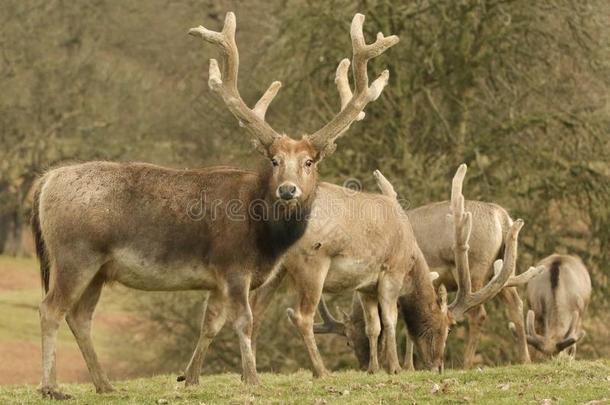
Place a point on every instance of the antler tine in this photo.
(352, 109)
(462, 223)
(342, 82)
(225, 83)
(330, 324)
(384, 185)
(533, 338)
(523, 278)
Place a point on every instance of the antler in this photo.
(330, 325)
(462, 221)
(352, 105)
(570, 338)
(225, 84)
(533, 338)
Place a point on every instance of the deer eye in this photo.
(309, 162)
(274, 162)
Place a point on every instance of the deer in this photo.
(558, 300)
(375, 253)
(220, 229)
(434, 234)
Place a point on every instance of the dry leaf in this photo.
(435, 388)
(503, 386)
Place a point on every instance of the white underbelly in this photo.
(347, 274)
(140, 272)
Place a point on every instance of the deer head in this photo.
(554, 341)
(293, 162)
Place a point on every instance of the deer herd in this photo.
(130, 223)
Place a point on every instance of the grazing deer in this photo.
(152, 228)
(366, 244)
(434, 234)
(558, 299)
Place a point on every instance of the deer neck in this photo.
(279, 225)
(419, 307)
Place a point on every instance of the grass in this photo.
(558, 381)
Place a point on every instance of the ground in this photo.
(558, 381)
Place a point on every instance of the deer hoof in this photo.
(54, 393)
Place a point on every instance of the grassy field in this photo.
(558, 381)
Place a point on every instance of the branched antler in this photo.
(225, 84)
(462, 221)
(352, 105)
(330, 325)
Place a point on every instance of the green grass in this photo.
(558, 381)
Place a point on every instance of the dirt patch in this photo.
(21, 363)
(14, 278)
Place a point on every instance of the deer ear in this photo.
(442, 298)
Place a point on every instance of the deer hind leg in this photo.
(214, 316)
(67, 286)
(241, 315)
(79, 319)
(373, 329)
(309, 283)
(388, 292)
(514, 312)
(476, 317)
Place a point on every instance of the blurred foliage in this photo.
(516, 89)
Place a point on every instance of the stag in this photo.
(154, 228)
(558, 299)
(434, 234)
(367, 244)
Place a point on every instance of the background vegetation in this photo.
(516, 89)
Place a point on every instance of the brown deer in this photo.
(434, 234)
(220, 229)
(366, 244)
(558, 299)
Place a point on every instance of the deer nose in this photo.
(287, 191)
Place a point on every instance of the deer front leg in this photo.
(309, 282)
(514, 312)
(389, 290)
(373, 329)
(214, 315)
(260, 299)
(408, 362)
